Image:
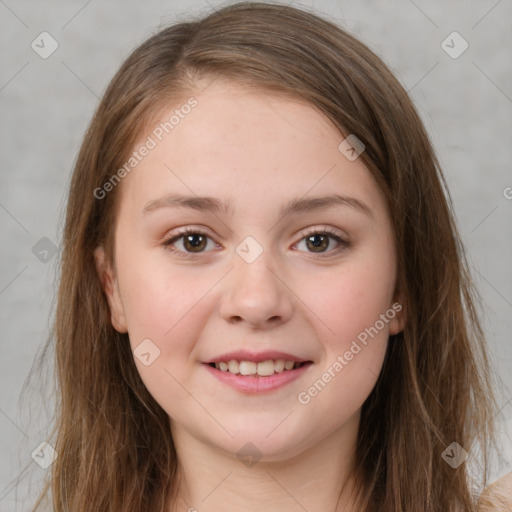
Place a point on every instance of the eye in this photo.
(318, 241)
(195, 241)
(192, 240)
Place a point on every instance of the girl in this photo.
(264, 302)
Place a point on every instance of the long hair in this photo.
(115, 450)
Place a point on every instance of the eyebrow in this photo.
(217, 206)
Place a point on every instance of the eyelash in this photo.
(343, 244)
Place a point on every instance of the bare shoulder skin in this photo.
(498, 496)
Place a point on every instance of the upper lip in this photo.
(257, 357)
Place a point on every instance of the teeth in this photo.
(233, 366)
(248, 368)
(265, 368)
(288, 365)
(262, 369)
(278, 366)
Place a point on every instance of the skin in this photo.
(498, 496)
(258, 151)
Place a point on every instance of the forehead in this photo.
(249, 147)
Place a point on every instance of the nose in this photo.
(256, 294)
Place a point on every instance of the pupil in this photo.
(194, 243)
(318, 244)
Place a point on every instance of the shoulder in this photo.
(498, 496)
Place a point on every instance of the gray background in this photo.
(466, 104)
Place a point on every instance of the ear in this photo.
(397, 323)
(110, 288)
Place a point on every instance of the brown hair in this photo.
(115, 450)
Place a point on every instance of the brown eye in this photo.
(317, 242)
(191, 241)
(320, 242)
(194, 242)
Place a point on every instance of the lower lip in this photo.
(255, 383)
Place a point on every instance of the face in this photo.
(290, 258)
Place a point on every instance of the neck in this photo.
(317, 478)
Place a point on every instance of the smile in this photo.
(262, 369)
(249, 377)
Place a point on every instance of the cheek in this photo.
(168, 306)
(353, 310)
(163, 302)
(352, 357)
(351, 297)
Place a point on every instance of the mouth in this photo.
(255, 369)
(254, 372)
(254, 378)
